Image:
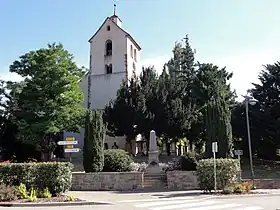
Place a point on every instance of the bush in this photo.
(183, 163)
(188, 162)
(22, 191)
(33, 195)
(141, 167)
(7, 193)
(239, 188)
(45, 193)
(56, 176)
(248, 186)
(117, 160)
(227, 172)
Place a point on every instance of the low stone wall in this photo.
(107, 181)
(266, 183)
(182, 180)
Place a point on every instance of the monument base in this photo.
(153, 164)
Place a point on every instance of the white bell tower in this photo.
(114, 55)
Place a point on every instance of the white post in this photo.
(239, 166)
(214, 150)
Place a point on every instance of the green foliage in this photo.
(33, 195)
(214, 92)
(117, 160)
(70, 198)
(239, 188)
(265, 115)
(49, 100)
(22, 191)
(7, 193)
(95, 131)
(56, 176)
(227, 172)
(188, 162)
(45, 193)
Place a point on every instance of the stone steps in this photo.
(155, 181)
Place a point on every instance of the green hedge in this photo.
(117, 160)
(56, 176)
(227, 173)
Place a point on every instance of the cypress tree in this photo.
(218, 127)
(94, 141)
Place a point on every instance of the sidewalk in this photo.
(113, 196)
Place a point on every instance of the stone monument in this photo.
(153, 163)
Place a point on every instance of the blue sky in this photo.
(239, 34)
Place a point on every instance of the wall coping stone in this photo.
(109, 173)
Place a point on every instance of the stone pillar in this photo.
(164, 149)
(173, 149)
(153, 163)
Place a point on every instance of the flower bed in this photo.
(35, 182)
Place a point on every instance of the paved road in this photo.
(183, 203)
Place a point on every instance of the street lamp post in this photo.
(248, 100)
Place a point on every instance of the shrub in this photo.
(70, 198)
(94, 142)
(22, 191)
(248, 186)
(173, 165)
(183, 163)
(141, 167)
(188, 162)
(7, 193)
(239, 188)
(33, 195)
(56, 176)
(117, 160)
(45, 193)
(227, 172)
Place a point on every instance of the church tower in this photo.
(114, 55)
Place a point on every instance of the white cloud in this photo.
(245, 67)
(8, 76)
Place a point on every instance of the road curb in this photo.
(246, 195)
(77, 203)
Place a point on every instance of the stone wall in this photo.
(182, 180)
(266, 183)
(107, 181)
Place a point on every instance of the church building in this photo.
(114, 55)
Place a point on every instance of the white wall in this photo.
(97, 49)
(130, 59)
(104, 88)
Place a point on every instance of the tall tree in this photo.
(266, 115)
(49, 100)
(214, 93)
(95, 131)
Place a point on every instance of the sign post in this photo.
(239, 153)
(69, 142)
(214, 150)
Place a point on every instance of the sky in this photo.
(242, 35)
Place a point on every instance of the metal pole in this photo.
(249, 142)
(215, 175)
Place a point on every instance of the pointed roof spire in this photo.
(115, 6)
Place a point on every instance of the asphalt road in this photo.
(260, 202)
